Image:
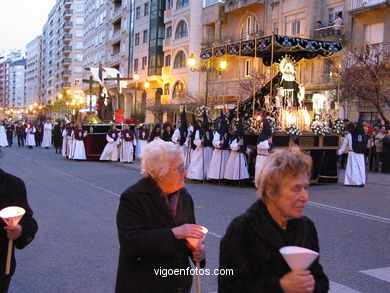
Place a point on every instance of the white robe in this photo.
(262, 154)
(47, 135)
(218, 160)
(78, 152)
(141, 144)
(3, 137)
(200, 160)
(70, 149)
(355, 172)
(64, 143)
(236, 167)
(30, 136)
(176, 140)
(110, 152)
(126, 150)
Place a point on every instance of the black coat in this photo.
(147, 242)
(251, 248)
(13, 193)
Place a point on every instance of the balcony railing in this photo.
(115, 36)
(239, 4)
(68, 13)
(67, 25)
(236, 38)
(116, 13)
(331, 33)
(207, 3)
(66, 72)
(358, 4)
(66, 60)
(67, 49)
(115, 58)
(67, 3)
(67, 37)
(66, 84)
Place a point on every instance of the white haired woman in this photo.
(154, 218)
(252, 241)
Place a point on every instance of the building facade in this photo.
(62, 50)
(17, 98)
(33, 75)
(4, 82)
(6, 60)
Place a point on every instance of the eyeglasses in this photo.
(180, 170)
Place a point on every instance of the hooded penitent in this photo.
(206, 134)
(240, 134)
(224, 131)
(359, 138)
(196, 127)
(183, 127)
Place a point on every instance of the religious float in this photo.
(282, 101)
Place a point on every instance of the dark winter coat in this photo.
(57, 137)
(13, 193)
(147, 242)
(251, 248)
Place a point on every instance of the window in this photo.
(144, 62)
(79, 45)
(166, 89)
(179, 90)
(79, 20)
(146, 9)
(169, 4)
(332, 14)
(181, 3)
(169, 32)
(79, 33)
(78, 69)
(248, 25)
(138, 12)
(79, 57)
(80, 8)
(145, 36)
(248, 68)
(135, 64)
(181, 30)
(136, 39)
(373, 33)
(275, 28)
(168, 60)
(180, 60)
(296, 27)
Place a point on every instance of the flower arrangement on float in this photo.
(319, 127)
(338, 126)
(293, 130)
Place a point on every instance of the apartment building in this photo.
(4, 81)
(62, 50)
(33, 75)
(17, 97)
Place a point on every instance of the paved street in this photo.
(76, 248)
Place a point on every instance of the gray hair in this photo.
(157, 158)
(280, 164)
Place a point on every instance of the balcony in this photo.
(66, 73)
(235, 38)
(359, 6)
(232, 5)
(68, 14)
(116, 14)
(66, 84)
(67, 25)
(207, 3)
(67, 49)
(68, 3)
(213, 13)
(67, 61)
(330, 34)
(167, 42)
(116, 36)
(167, 14)
(115, 58)
(67, 37)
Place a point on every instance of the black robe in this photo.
(251, 248)
(147, 242)
(57, 137)
(13, 193)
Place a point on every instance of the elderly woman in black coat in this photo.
(154, 219)
(13, 193)
(252, 241)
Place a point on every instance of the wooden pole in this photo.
(9, 257)
(197, 277)
(271, 69)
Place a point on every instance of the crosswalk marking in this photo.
(338, 288)
(380, 273)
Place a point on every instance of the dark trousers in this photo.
(20, 141)
(386, 162)
(344, 159)
(378, 158)
(4, 283)
(10, 139)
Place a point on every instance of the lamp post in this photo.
(207, 67)
(135, 77)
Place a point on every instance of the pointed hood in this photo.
(195, 123)
(240, 129)
(205, 122)
(223, 126)
(359, 138)
(183, 127)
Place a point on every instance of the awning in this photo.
(297, 48)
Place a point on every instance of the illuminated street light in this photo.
(191, 61)
(223, 64)
(147, 84)
(136, 76)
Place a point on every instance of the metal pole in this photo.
(90, 93)
(271, 70)
(254, 83)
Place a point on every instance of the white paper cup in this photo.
(298, 258)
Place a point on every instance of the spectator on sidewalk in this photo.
(386, 153)
(379, 147)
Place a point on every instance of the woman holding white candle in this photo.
(154, 218)
(252, 241)
(13, 193)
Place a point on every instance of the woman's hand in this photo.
(187, 230)
(13, 232)
(297, 282)
(198, 254)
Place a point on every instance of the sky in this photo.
(21, 21)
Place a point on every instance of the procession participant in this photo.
(237, 167)
(38, 134)
(154, 219)
(78, 136)
(10, 129)
(263, 144)
(13, 193)
(30, 135)
(180, 135)
(221, 151)
(110, 152)
(127, 145)
(379, 147)
(386, 152)
(201, 157)
(252, 241)
(3, 136)
(64, 131)
(57, 137)
(167, 132)
(142, 140)
(47, 134)
(69, 140)
(355, 172)
(20, 133)
(156, 133)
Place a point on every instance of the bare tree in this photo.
(253, 84)
(366, 77)
(158, 110)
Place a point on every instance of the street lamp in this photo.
(147, 84)
(135, 78)
(207, 67)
